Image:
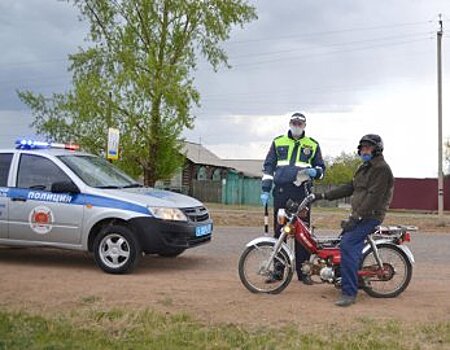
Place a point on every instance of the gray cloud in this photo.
(318, 56)
(36, 36)
(324, 62)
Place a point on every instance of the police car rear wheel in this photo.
(116, 250)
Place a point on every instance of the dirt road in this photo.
(204, 283)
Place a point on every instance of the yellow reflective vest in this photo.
(284, 147)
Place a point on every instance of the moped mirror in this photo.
(302, 176)
(291, 206)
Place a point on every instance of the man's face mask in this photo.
(366, 157)
(366, 153)
(297, 128)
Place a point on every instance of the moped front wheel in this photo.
(256, 277)
(392, 279)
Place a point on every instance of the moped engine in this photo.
(327, 274)
(319, 268)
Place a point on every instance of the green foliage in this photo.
(340, 169)
(137, 76)
(118, 329)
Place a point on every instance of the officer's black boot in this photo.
(277, 274)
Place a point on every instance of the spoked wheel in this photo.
(392, 279)
(253, 273)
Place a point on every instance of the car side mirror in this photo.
(64, 187)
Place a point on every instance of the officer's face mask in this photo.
(297, 128)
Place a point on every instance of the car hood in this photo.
(152, 197)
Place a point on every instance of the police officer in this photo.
(372, 189)
(287, 155)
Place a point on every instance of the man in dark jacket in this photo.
(372, 189)
(287, 155)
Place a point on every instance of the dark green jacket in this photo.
(372, 189)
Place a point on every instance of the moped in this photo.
(385, 269)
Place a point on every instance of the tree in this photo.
(340, 169)
(137, 76)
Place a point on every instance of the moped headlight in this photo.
(163, 213)
(289, 229)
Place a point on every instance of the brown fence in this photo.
(207, 190)
(421, 194)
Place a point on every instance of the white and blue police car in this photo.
(52, 195)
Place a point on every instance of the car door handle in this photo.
(18, 199)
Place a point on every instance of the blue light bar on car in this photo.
(31, 144)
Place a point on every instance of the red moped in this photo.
(386, 266)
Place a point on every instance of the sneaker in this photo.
(345, 300)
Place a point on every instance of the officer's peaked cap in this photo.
(298, 117)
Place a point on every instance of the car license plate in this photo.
(203, 230)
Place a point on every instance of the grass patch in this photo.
(120, 329)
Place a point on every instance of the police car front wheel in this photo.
(116, 250)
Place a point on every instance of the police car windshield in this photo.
(97, 172)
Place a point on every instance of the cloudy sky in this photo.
(352, 67)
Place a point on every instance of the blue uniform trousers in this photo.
(280, 196)
(352, 243)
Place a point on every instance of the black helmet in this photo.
(373, 140)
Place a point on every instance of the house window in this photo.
(201, 174)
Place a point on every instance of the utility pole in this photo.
(440, 173)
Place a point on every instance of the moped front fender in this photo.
(404, 248)
(284, 246)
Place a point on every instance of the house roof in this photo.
(251, 167)
(198, 154)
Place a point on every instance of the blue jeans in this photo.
(352, 243)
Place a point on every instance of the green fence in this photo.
(240, 190)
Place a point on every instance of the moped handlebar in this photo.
(307, 200)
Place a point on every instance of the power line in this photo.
(331, 32)
(306, 35)
(248, 64)
(336, 44)
(370, 47)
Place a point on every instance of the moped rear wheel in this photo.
(256, 278)
(390, 281)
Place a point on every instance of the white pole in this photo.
(440, 173)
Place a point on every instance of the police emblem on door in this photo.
(41, 220)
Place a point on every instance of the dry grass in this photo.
(323, 218)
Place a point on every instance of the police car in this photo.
(54, 196)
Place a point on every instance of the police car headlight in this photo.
(173, 214)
